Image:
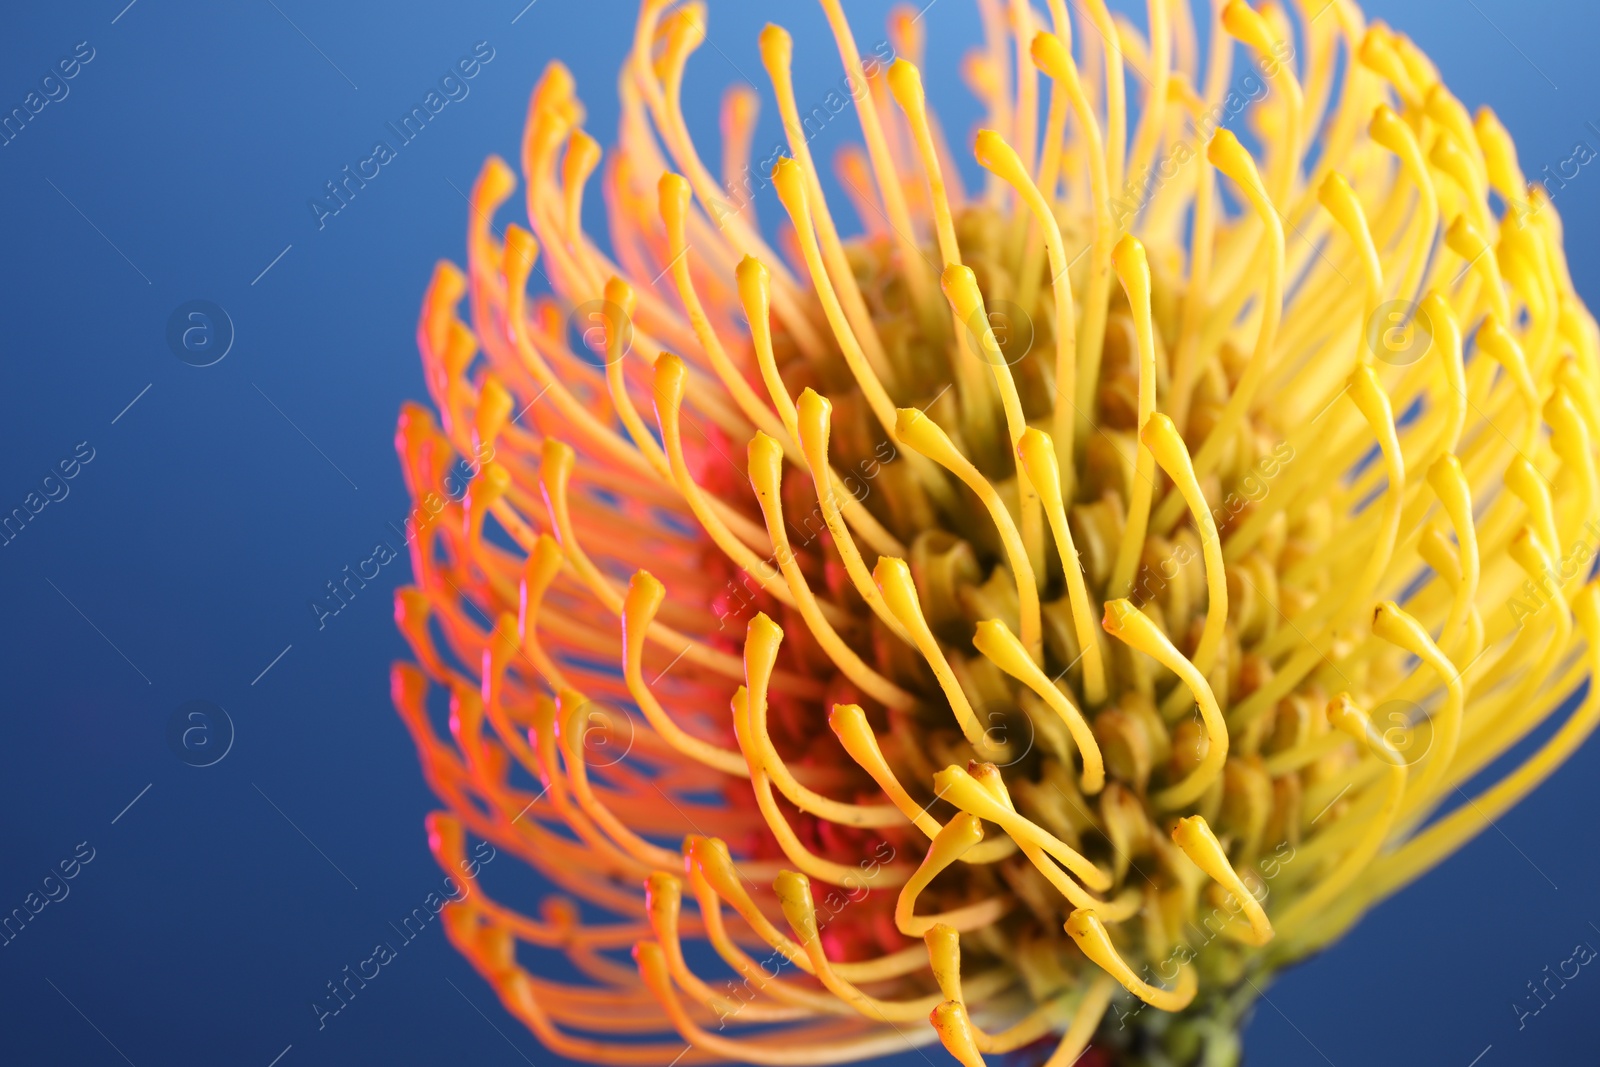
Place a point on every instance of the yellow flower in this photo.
(753, 620)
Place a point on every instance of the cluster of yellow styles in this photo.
(1080, 593)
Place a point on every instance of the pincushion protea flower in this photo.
(1041, 616)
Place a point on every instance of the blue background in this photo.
(218, 906)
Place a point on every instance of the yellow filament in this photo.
(1193, 835)
(1340, 200)
(962, 790)
(1085, 928)
(893, 579)
(1161, 437)
(885, 876)
(960, 288)
(762, 638)
(1455, 829)
(765, 465)
(1003, 649)
(1131, 626)
(1229, 156)
(1392, 624)
(1245, 24)
(1449, 483)
(849, 725)
(948, 845)
(955, 1032)
(755, 296)
(639, 608)
(674, 200)
(921, 433)
(1390, 131)
(1055, 59)
(1352, 721)
(669, 388)
(1039, 461)
(786, 178)
(889, 186)
(1000, 159)
(555, 471)
(905, 83)
(777, 48)
(794, 896)
(1134, 272)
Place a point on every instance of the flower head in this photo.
(1035, 619)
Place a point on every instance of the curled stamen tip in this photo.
(556, 81)
(663, 891)
(792, 886)
(766, 455)
(1343, 714)
(762, 631)
(950, 1021)
(447, 284)
(673, 192)
(776, 44)
(912, 426)
(1084, 925)
(620, 293)
(1037, 451)
(652, 961)
(1368, 393)
(905, 82)
(813, 405)
(1384, 122)
(1246, 24)
(1391, 623)
(986, 774)
(793, 891)
(518, 255)
(689, 21)
(557, 457)
(1193, 831)
(891, 570)
(944, 948)
(847, 718)
(496, 180)
(1339, 198)
(993, 153)
(1160, 435)
(1229, 156)
(1128, 256)
(1049, 53)
(1463, 238)
(1118, 614)
(790, 183)
(445, 834)
(1334, 184)
(893, 579)
(752, 272)
(960, 287)
(669, 379)
(949, 778)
